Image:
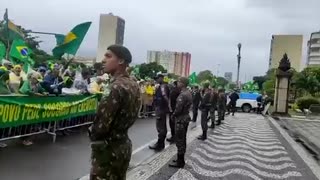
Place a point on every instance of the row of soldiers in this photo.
(177, 102)
(208, 101)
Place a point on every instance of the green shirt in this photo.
(27, 89)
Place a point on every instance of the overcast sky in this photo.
(209, 29)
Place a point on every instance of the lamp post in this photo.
(239, 60)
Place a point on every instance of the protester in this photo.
(117, 111)
(42, 70)
(81, 81)
(96, 86)
(7, 64)
(53, 82)
(142, 110)
(32, 86)
(15, 79)
(4, 78)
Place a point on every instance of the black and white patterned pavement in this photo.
(246, 146)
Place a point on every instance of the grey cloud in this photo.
(209, 30)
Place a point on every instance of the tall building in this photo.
(174, 62)
(111, 31)
(228, 76)
(290, 44)
(313, 58)
(85, 60)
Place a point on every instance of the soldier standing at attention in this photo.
(174, 93)
(182, 119)
(117, 111)
(221, 105)
(205, 106)
(196, 98)
(162, 106)
(214, 100)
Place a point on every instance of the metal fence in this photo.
(50, 128)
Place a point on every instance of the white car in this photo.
(246, 104)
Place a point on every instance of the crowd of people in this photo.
(52, 79)
(49, 80)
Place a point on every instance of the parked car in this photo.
(247, 101)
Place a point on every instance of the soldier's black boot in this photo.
(171, 140)
(212, 126)
(179, 163)
(203, 136)
(159, 146)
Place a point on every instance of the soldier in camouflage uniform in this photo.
(162, 107)
(117, 111)
(221, 105)
(205, 106)
(182, 119)
(213, 100)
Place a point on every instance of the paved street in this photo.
(246, 146)
(306, 130)
(67, 159)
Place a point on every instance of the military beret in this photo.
(184, 81)
(121, 52)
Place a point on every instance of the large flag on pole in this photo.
(71, 42)
(12, 30)
(19, 50)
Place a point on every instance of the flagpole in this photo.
(7, 29)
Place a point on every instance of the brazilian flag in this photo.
(19, 50)
(71, 42)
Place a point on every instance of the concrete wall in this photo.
(290, 44)
(107, 34)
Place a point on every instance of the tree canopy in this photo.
(204, 76)
(150, 70)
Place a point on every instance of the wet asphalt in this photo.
(66, 159)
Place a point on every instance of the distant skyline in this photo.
(209, 30)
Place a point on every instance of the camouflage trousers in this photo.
(204, 119)
(221, 113)
(110, 161)
(181, 127)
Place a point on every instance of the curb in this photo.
(157, 161)
(310, 162)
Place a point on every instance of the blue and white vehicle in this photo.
(247, 101)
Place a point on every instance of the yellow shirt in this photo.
(149, 90)
(95, 88)
(14, 82)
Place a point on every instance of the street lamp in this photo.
(239, 59)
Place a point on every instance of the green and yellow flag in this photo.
(19, 50)
(71, 42)
(12, 30)
(193, 78)
(2, 50)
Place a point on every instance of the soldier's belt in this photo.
(98, 142)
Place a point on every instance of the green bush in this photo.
(305, 102)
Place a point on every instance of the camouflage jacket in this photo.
(117, 111)
(222, 101)
(184, 102)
